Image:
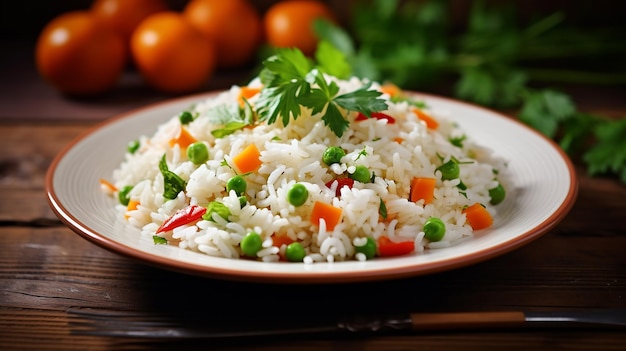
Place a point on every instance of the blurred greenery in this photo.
(495, 60)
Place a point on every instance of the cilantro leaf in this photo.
(492, 86)
(545, 109)
(362, 100)
(335, 120)
(608, 155)
(576, 131)
(222, 114)
(288, 64)
(284, 77)
(334, 35)
(318, 98)
(382, 209)
(159, 240)
(290, 83)
(229, 128)
(231, 117)
(172, 183)
(332, 61)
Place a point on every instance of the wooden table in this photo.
(47, 270)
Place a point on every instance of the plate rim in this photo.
(264, 276)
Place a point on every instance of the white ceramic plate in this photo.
(545, 190)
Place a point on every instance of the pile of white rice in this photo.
(293, 153)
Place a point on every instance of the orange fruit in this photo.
(78, 56)
(171, 55)
(123, 16)
(234, 26)
(290, 24)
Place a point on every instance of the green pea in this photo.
(369, 249)
(361, 174)
(297, 195)
(251, 244)
(295, 252)
(243, 201)
(185, 117)
(434, 229)
(238, 184)
(333, 154)
(133, 146)
(198, 153)
(216, 207)
(124, 196)
(497, 194)
(449, 170)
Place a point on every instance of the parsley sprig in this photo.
(291, 81)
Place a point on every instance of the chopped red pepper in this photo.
(341, 182)
(183, 216)
(377, 115)
(386, 247)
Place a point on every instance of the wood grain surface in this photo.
(47, 270)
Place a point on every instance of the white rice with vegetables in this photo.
(359, 201)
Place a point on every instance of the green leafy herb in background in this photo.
(493, 61)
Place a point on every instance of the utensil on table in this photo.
(143, 325)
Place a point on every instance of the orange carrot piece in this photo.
(246, 93)
(431, 123)
(423, 189)
(390, 89)
(183, 139)
(248, 160)
(108, 185)
(330, 214)
(478, 217)
(132, 205)
(279, 240)
(398, 140)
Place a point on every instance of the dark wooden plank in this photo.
(28, 151)
(54, 268)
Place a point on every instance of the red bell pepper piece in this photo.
(183, 216)
(377, 115)
(341, 182)
(386, 247)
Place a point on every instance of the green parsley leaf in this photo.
(334, 119)
(545, 109)
(421, 104)
(172, 183)
(290, 84)
(284, 80)
(608, 155)
(576, 132)
(458, 141)
(223, 114)
(332, 61)
(362, 100)
(228, 129)
(159, 240)
(216, 207)
(382, 209)
(231, 117)
(476, 85)
(333, 35)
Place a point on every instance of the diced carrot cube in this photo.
(329, 213)
(423, 189)
(431, 123)
(246, 93)
(478, 217)
(183, 139)
(248, 160)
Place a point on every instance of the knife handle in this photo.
(466, 320)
